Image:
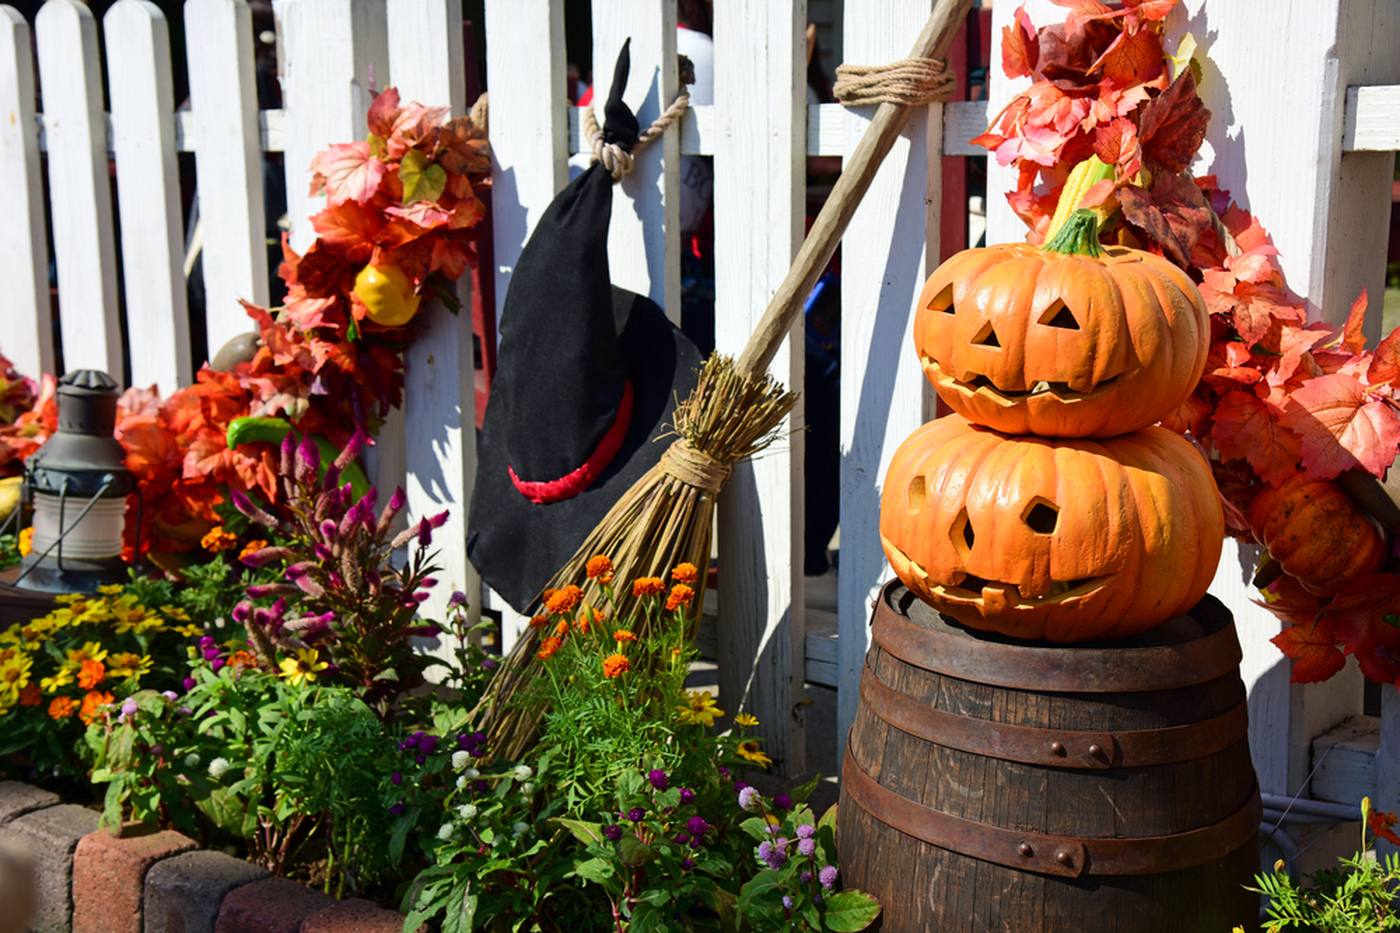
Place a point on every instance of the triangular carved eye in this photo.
(987, 336)
(1042, 516)
(943, 302)
(1057, 315)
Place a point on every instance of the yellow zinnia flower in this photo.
(110, 589)
(14, 676)
(750, 751)
(61, 678)
(129, 665)
(303, 668)
(746, 720)
(699, 709)
(91, 651)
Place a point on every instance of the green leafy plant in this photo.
(1358, 896)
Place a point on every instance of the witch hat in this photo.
(586, 380)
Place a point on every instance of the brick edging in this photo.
(148, 881)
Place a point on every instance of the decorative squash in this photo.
(1073, 340)
(1062, 540)
(1318, 535)
(387, 294)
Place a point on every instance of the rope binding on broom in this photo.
(694, 467)
(908, 82)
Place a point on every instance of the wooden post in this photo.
(26, 330)
(148, 193)
(228, 164)
(884, 260)
(760, 101)
(425, 53)
(80, 197)
(525, 74)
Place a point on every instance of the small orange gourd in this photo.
(1318, 535)
(1072, 340)
(1062, 540)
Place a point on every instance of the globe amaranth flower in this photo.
(827, 877)
(806, 846)
(782, 801)
(682, 838)
(658, 779)
(397, 809)
(446, 831)
(636, 814)
(192, 760)
(697, 826)
(687, 863)
(471, 774)
(787, 902)
(460, 760)
(748, 799)
(467, 811)
(218, 768)
(612, 832)
(806, 831)
(522, 772)
(396, 778)
(772, 855)
(527, 789)
(129, 709)
(520, 828)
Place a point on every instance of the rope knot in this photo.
(908, 82)
(616, 159)
(694, 467)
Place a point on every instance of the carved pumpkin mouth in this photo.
(984, 384)
(971, 588)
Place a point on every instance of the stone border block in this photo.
(109, 876)
(183, 894)
(52, 835)
(273, 905)
(354, 916)
(17, 799)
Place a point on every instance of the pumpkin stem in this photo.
(1079, 236)
(1082, 177)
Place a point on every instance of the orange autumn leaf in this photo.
(1341, 426)
(1246, 428)
(1382, 825)
(1353, 338)
(1313, 651)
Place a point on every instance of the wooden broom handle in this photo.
(860, 168)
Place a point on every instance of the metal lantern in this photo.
(77, 485)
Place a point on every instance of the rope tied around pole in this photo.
(908, 82)
(617, 160)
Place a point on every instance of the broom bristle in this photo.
(663, 520)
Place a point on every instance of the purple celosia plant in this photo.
(342, 593)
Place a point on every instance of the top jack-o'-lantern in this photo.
(1073, 339)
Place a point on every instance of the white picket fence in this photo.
(1307, 111)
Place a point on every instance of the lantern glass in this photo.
(96, 536)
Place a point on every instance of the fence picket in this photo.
(643, 240)
(148, 194)
(228, 164)
(758, 203)
(525, 71)
(26, 334)
(882, 387)
(425, 53)
(70, 69)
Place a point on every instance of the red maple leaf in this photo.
(1173, 124)
(347, 172)
(1134, 57)
(1150, 9)
(382, 111)
(1247, 428)
(1313, 651)
(1294, 344)
(1190, 417)
(1385, 363)
(1342, 427)
(1019, 49)
(1116, 143)
(1173, 214)
(1353, 338)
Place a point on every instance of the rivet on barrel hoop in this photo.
(1026, 850)
(1058, 748)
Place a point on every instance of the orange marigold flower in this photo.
(562, 628)
(564, 599)
(257, 544)
(648, 586)
(243, 660)
(685, 573)
(92, 706)
(622, 636)
(681, 595)
(582, 622)
(217, 539)
(599, 567)
(30, 695)
(548, 647)
(539, 621)
(91, 674)
(615, 665)
(62, 707)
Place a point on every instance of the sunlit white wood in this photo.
(1372, 118)
(759, 198)
(883, 263)
(425, 53)
(26, 329)
(148, 194)
(644, 236)
(80, 197)
(224, 123)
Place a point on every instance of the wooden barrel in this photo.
(995, 785)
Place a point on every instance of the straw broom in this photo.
(665, 518)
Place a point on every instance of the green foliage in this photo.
(1358, 896)
(9, 551)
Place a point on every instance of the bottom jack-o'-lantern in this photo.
(1056, 540)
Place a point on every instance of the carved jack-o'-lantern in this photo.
(1317, 533)
(1058, 540)
(1073, 340)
